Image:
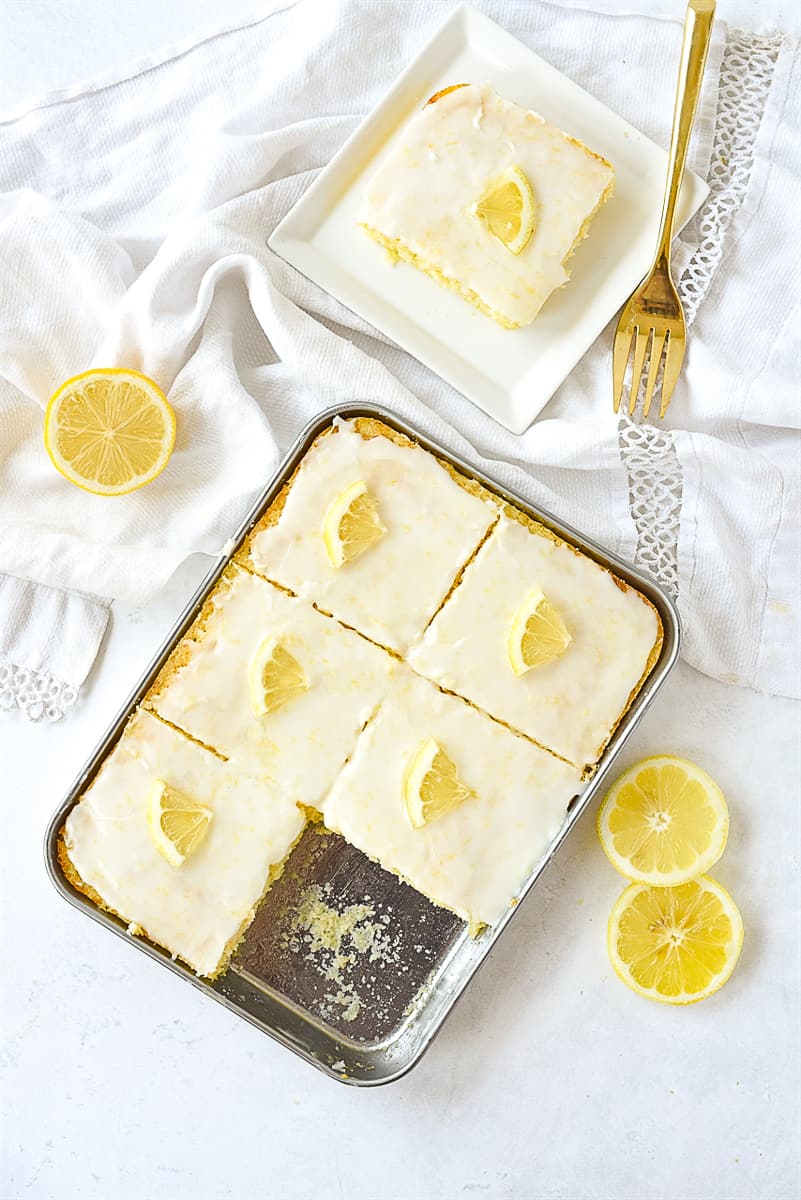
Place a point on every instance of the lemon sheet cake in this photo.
(326, 682)
(438, 197)
(603, 637)
(270, 710)
(429, 527)
(199, 908)
(474, 858)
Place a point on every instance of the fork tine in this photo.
(674, 356)
(656, 356)
(620, 357)
(643, 336)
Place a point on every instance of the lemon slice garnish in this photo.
(351, 525)
(676, 945)
(109, 431)
(274, 677)
(537, 634)
(664, 821)
(509, 210)
(431, 786)
(177, 823)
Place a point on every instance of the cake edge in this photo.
(399, 251)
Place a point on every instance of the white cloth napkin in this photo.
(134, 214)
(48, 642)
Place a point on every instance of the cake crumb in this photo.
(334, 941)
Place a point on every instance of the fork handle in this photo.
(694, 49)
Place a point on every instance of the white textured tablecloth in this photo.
(134, 214)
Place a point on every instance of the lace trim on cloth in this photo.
(647, 452)
(38, 695)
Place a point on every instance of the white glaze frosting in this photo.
(474, 859)
(196, 909)
(571, 704)
(423, 192)
(300, 747)
(432, 527)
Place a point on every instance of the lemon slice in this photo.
(537, 634)
(351, 525)
(509, 210)
(431, 786)
(676, 945)
(275, 677)
(664, 821)
(177, 824)
(109, 431)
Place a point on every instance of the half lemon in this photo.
(110, 431)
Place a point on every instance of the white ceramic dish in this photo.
(510, 374)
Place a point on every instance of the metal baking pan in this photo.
(365, 1007)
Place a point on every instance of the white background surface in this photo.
(550, 1080)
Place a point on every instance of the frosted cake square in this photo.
(336, 680)
(200, 909)
(474, 858)
(436, 199)
(429, 527)
(571, 703)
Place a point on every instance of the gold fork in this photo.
(654, 308)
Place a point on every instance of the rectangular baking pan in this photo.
(364, 1015)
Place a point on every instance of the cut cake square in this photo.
(205, 688)
(474, 859)
(421, 202)
(432, 525)
(572, 704)
(197, 911)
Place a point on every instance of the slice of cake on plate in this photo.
(488, 199)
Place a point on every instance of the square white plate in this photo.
(510, 374)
